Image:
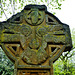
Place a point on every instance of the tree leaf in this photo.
(45, 0)
(57, 1)
(1, 12)
(21, 4)
(19, 1)
(41, 0)
(16, 1)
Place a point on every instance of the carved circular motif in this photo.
(37, 19)
(34, 44)
(41, 31)
(25, 30)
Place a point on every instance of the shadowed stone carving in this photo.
(33, 39)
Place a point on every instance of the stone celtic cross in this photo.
(34, 39)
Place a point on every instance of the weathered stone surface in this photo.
(33, 39)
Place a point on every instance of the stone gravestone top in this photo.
(33, 39)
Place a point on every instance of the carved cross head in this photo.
(34, 37)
